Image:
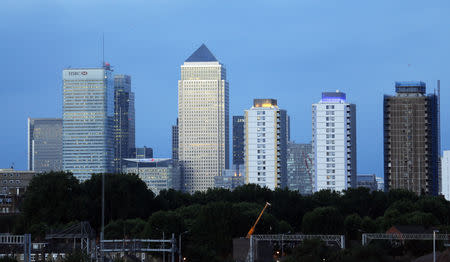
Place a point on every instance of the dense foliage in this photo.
(210, 220)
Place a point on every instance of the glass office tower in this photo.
(44, 144)
(238, 140)
(124, 120)
(88, 118)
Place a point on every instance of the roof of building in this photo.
(202, 54)
(410, 229)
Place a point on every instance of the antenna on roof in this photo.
(103, 50)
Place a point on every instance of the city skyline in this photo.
(365, 82)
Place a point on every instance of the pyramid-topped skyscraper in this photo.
(202, 54)
(203, 114)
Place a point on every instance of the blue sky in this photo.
(288, 50)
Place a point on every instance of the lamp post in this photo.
(180, 258)
(102, 234)
(434, 244)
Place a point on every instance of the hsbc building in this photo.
(88, 113)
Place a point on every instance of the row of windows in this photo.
(11, 182)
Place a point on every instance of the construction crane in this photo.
(250, 232)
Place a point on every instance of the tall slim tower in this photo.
(266, 144)
(124, 120)
(88, 121)
(411, 139)
(238, 140)
(175, 141)
(299, 166)
(334, 142)
(44, 144)
(203, 108)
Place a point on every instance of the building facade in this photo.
(175, 141)
(334, 142)
(230, 178)
(142, 152)
(238, 140)
(88, 121)
(203, 114)
(157, 173)
(299, 167)
(124, 120)
(13, 184)
(266, 144)
(411, 139)
(44, 144)
(367, 180)
(445, 191)
(380, 183)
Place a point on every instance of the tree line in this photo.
(208, 221)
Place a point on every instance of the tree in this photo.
(353, 225)
(312, 250)
(52, 198)
(323, 220)
(126, 197)
(128, 229)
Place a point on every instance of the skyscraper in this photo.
(299, 167)
(44, 144)
(265, 144)
(124, 120)
(203, 114)
(238, 140)
(175, 141)
(142, 152)
(88, 121)
(334, 142)
(411, 139)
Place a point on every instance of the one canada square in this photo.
(203, 113)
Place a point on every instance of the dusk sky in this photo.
(287, 50)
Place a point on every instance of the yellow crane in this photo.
(250, 232)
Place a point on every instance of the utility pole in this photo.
(103, 218)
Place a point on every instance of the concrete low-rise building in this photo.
(157, 173)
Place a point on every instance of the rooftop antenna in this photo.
(103, 50)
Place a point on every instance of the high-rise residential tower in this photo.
(238, 140)
(124, 120)
(334, 142)
(203, 114)
(445, 189)
(266, 144)
(411, 139)
(44, 144)
(299, 167)
(88, 121)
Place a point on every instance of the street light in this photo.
(434, 244)
(180, 259)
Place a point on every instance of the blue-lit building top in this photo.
(333, 97)
(88, 115)
(410, 87)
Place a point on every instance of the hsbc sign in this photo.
(77, 73)
(84, 74)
